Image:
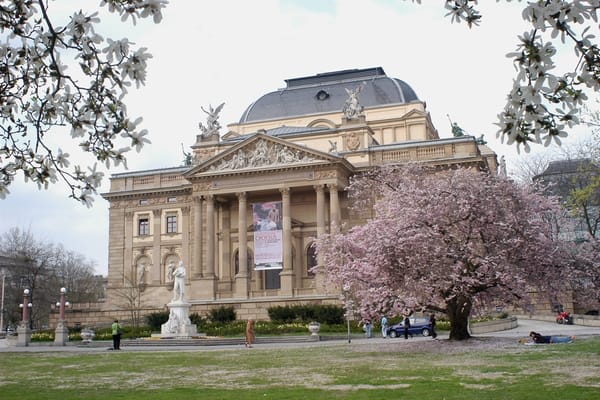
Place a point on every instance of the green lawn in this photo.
(478, 369)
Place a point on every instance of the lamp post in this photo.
(346, 290)
(61, 333)
(2, 304)
(23, 331)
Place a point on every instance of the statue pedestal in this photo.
(179, 325)
(61, 334)
(23, 335)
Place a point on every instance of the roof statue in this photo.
(187, 161)
(457, 131)
(481, 140)
(352, 108)
(212, 121)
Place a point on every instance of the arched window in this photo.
(311, 259)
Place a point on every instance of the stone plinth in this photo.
(23, 335)
(179, 324)
(61, 334)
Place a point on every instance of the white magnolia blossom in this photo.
(543, 104)
(40, 92)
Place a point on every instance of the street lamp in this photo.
(2, 303)
(25, 306)
(23, 331)
(346, 290)
(61, 333)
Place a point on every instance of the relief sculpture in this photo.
(262, 154)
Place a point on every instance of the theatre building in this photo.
(243, 211)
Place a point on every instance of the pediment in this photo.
(413, 114)
(262, 151)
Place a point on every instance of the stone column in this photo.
(197, 237)
(334, 207)
(210, 237)
(241, 278)
(321, 229)
(286, 274)
(155, 268)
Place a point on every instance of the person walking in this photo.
(432, 323)
(116, 335)
(250, 337)
(384, 327)
(407, 327)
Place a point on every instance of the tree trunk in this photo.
(458, 310)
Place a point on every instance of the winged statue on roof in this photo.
(212, 121)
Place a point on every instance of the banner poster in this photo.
(268, 235)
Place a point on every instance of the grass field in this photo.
(488, 368)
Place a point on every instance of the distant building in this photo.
(561, 178)
(283, 165)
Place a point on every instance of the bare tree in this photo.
(44, 269)
(131, 298)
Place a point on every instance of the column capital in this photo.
(156, 213)
(197, 199)
(285, 191)
(319, 187)
(185, 210)
(241, 195)
(332, 186)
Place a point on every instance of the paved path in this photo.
(522, 330)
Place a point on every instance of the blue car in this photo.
(418, 326)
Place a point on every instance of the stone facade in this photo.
(201, 213)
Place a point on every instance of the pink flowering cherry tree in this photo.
(449, 241)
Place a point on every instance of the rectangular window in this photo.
(143, 227)
(171, 223)
(172, 200)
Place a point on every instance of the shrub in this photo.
(222, 315)
(156, 319)
(325, 314)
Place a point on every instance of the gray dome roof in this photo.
(326, 92)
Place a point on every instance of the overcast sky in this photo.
(234, 51)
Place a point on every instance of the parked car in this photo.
(418, 326)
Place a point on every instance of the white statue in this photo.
(212, 121)
(179, 284)
(352, 108)
(141, 274)
(170, 270)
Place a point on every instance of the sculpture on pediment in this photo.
(212, 121)
(352, 108)
(262, 154)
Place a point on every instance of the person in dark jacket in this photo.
(432, 323)
(407, 327)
